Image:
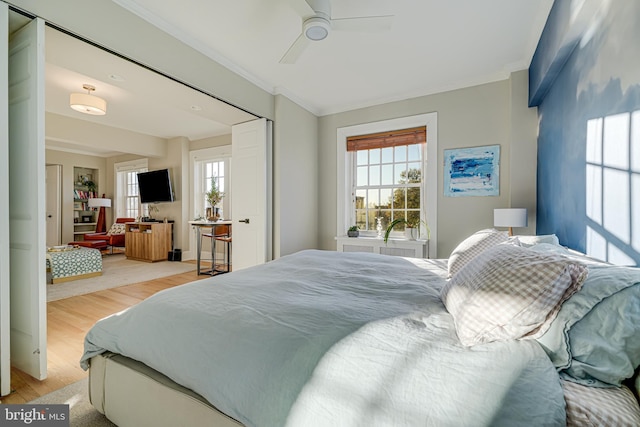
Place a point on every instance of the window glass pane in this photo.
(415, 152)
(362, 157)
(400, 173)
(387, 174)
(374, 156)
(399, 199)
(361, 199)
(374, 175)
(385, 198)
(398, 214)
(413, 198)
(373, 199)
(361, 219)
(373, 214)
(387, 155)
(414, 216)
(386, 219)
(363, 176)
(401, 153)
(414, 174)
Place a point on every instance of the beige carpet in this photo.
(117, 271)
(81, 413)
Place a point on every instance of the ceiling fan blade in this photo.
(363, 24)
(295, 50)
(301, 7)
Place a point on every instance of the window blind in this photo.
(417, 135)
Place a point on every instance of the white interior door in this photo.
(5, 327)
(53, 202)
(27, 201)
(251, 193)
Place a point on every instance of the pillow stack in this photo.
(509, 292)
(595, 340)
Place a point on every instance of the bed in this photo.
(323, 338)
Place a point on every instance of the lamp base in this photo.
(101, 226)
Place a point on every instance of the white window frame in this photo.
(345, 172)
(352, 158)
(139, 165)
(197, 179)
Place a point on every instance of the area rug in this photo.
(81, 412)
(117, 270)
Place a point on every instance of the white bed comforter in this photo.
(323, 338)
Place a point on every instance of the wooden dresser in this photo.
(148, 241)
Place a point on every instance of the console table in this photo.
(148, 241)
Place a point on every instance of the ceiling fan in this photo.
(317, 24)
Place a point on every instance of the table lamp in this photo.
(100, 202)
(511, 217)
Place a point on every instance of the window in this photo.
(213, 170)
(346, 172)
(387, 168)
(208, 164)
(127, 199)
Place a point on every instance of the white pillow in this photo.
(510, 292)
(528, 241)
(474, 245)
(116, 228)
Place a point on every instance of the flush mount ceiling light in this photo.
(87, 103)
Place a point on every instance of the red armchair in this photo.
(112, 238)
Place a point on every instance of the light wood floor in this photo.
(67, 323)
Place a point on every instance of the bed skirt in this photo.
(129, 393)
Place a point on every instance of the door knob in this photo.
(246, 220)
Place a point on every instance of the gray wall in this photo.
(494, 113)
(295, 178)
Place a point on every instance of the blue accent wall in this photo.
(586, 83)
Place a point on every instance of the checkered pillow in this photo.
(594, 406)
(473, 246)
(116, 228)
(510, 292)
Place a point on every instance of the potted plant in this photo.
(214, 195)
(411, 230)
(353, 231)
(91, 186)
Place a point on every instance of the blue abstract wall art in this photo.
(473, 171)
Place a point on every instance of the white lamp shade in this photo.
(513, 217)
(88, 104)
(98, 202)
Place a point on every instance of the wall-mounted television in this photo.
(155, 186)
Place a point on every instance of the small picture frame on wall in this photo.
(473, 171)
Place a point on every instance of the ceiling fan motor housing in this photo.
(317, 28)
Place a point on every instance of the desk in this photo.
(198, 226)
